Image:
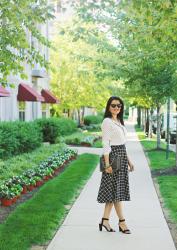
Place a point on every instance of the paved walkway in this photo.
(143, 213)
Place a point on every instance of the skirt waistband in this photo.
(118, 146)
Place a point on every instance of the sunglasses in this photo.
(114, 105)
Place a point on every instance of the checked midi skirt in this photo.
(115, 186)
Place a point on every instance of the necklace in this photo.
(116, 121)
(119, 125)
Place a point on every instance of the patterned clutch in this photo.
(115, 163)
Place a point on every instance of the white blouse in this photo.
(112, 134)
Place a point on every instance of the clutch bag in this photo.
(115, 163)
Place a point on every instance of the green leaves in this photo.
(20, 20)
(145, 37)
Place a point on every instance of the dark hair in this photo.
(108, 113)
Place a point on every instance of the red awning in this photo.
(27, 94)
(4, 92)
(48, 96)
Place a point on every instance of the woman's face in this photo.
(115, 107)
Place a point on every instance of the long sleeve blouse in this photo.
(112, 134)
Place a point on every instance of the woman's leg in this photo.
(107, 209)
(118, 205)
(106, 214)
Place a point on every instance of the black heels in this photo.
(107, 229)
(126, 231)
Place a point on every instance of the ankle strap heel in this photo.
(122, 220)
(125, 231)
(107, 229)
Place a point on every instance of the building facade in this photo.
(29, 99)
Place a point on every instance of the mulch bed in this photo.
(166, 171)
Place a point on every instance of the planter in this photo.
(46, 178)
(73, 158)
(56, 171)
(31, 187)
(38, 183)
(6, 202)
(14, 199)
(85, 144)
(24, 191)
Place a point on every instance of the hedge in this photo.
(53, 127)
(18, 137)
(93, 119)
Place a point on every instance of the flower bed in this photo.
(11, 189)
(86, 141)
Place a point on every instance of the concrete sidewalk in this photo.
(143, 213)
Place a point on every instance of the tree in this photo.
(144, 34)
(20, 20)
(78, 78)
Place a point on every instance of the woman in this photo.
(114, 187)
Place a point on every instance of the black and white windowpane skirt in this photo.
(115, 187)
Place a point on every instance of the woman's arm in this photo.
(130, 165)
(106, 137)
(108, 166)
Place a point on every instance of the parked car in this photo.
(172, 125)
(173, 137)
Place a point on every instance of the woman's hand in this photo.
(130, 166)
(108, 170)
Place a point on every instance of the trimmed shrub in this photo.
(18, 137)
(93, 119)
(66, 126)
(49, 128)
(54, 127)
(29, 136)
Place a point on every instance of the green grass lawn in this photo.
(167, 184)
(35, 221)
(157, 158)
(18, 164)
(168, 189)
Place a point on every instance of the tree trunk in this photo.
(142, 119)
(158, 126)
(145, 118)
(79, 117)
(83, 112)
(150, 123)
(147, 122)
(139, 117)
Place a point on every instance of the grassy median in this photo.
(35, 221)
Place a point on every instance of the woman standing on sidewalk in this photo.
(114, 187)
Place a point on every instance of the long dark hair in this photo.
(121, 113)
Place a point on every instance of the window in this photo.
(34, 110)
(21, 107)
(44, 110)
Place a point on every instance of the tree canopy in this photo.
(19, 24)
